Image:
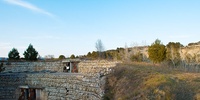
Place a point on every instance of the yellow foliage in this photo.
(188, 76)
(155, 80)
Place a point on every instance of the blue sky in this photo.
(56, 27)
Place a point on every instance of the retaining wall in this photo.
(55, 86)
(87, 84)
(32, 66)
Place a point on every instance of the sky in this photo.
(65, 27)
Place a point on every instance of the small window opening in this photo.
(30, 94)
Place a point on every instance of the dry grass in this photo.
(138, 81)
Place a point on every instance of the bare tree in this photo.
(144, 57)
(135, 48)
(100, 48)
(173, 53)
(126, 53)
(49, 57)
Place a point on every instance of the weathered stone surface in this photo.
(88, 84)
(32, 66)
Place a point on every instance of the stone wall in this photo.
(55, 86)
(8, 85)
(96, 66)
(32, 66)
(87, 67)
(87, 84)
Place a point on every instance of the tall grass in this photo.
(142, 81)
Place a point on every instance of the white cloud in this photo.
(29, 6)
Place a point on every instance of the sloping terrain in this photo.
(150, 82)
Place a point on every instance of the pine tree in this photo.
(157, 52)
(30, 53)
(13, 54)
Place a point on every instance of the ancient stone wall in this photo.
(88, 67)
(8, 85)
(32, 66)
(87, 84)
(55, 86)
(96, 66)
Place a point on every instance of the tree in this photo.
(77, 56)
(61, 57)
(30, 53)
(120, 53)
(94, 55)
(157, 52)
(173, 52)
(109, 55)
(89, 55)
(100, 48)
(72, 56)
(49, 57)
(126, 53)
(13, 54)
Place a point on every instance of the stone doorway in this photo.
(70, 65)
(30, 93)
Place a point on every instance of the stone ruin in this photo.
(58, 80)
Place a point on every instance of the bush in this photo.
(137, 57)
(157, 52)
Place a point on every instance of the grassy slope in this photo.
(149, 82)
